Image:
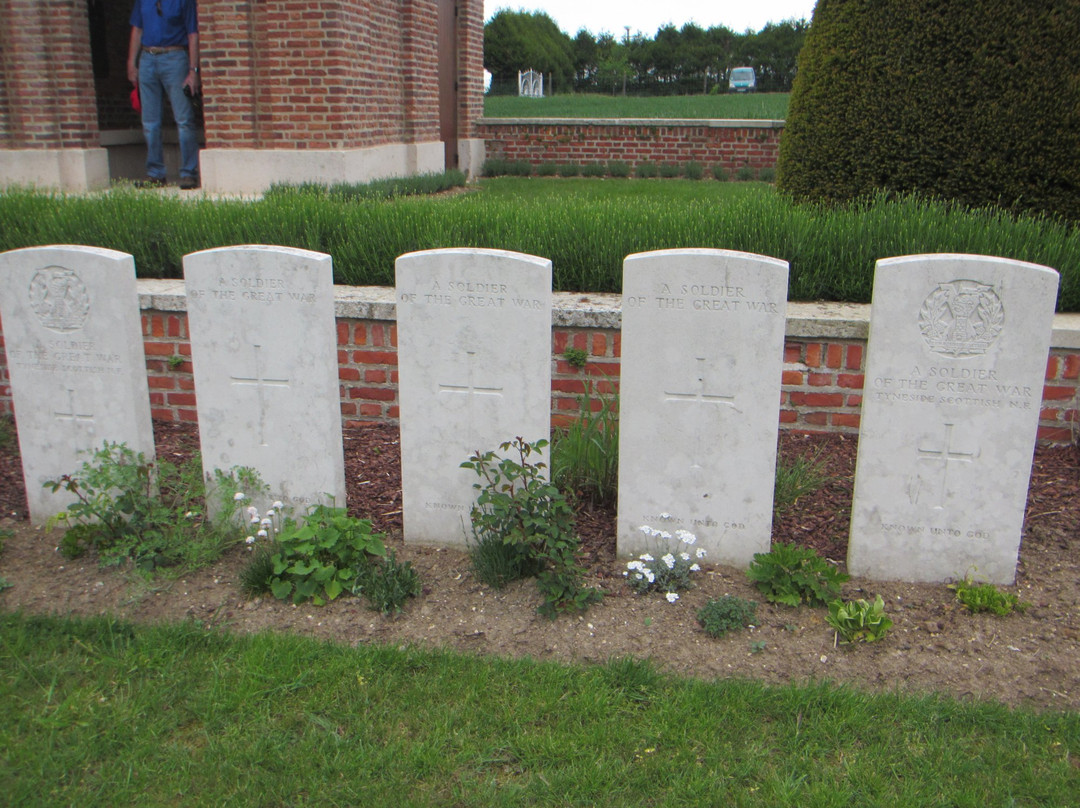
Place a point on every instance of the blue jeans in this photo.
(160, 75)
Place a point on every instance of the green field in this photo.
(759, 106)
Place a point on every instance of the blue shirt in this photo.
(178, 18)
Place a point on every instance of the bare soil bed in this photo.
(935, 645)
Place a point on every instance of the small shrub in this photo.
(792, 575)
(859, 620)
(324, 557)
(576, 358)
(257, 575)
(729, 613)
(153, 514)
(547, 170)
(720, 173)
(767, 174)
(795, 478)
(618, 169)
(518, 506)
(593, 170)
(386, 585)
(669, 170)
(494, 167)
(569, 170)
(744, 174)
(986, 598)
(496, 563)
(646, 170)
(693, 170)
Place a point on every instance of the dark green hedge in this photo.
(975, 101)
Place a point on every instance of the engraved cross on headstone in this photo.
(470, 389)
(260, 382)
(72, 413)
(944, 455)
(700, 396)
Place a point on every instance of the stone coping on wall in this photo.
(580, 310)
(706, 123)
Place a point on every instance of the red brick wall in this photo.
(47, 88)
(821, 388)
(731, 146)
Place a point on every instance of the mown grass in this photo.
(755, 106)
(585, 226)
(98, 712)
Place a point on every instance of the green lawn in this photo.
(101, 713)
(756, 106)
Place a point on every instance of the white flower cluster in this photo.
(265, 526)
(673, 571)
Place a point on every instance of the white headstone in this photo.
(702, 353)
(474, 362)
(264, 353)
(954, 376)
(75, 356)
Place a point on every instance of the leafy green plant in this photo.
(569, 169)
(729, 613)
(693, 170)
(324, 557)
(593, 169)
(720, 173)
(797, 477)
(618, 169)
(744, 174)
(669, 570)
(257, 575)
(585, 452)
(792, 575)
(175, 362)
(387, 584)
(518, 506)
(669, 170)
(154, 514)
(576, 357)
(547, 170)
(978, 598)
(859, 620)
(496, 563)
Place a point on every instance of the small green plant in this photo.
(8, 438)
(669, 171)
(720, 173)
(978, 598)
(387, 584)
(859, 620)
(729, 613)
(258, 574)
(767, 174)
(569, 170)
(757, 646)
(153, 514)
(518, 506)
(585, 453)
(797, 477)
(693, 170)
(593, 169)
(576, 357)
(547, 170)
(792, 575)
(324, 557)
(669, 572)
(496, 563)
(175, 362)
(646, 170)
(744, 174)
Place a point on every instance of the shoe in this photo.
(150, 182)
(188, 183)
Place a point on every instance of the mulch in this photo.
(818, 519)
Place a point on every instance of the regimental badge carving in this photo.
(961, 318)
(59, 299)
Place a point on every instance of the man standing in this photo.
(163, 59)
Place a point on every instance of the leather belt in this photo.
(166, 49)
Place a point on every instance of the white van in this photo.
(742, 80)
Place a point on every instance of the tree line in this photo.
(677, 61)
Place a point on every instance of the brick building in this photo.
(342, 90)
